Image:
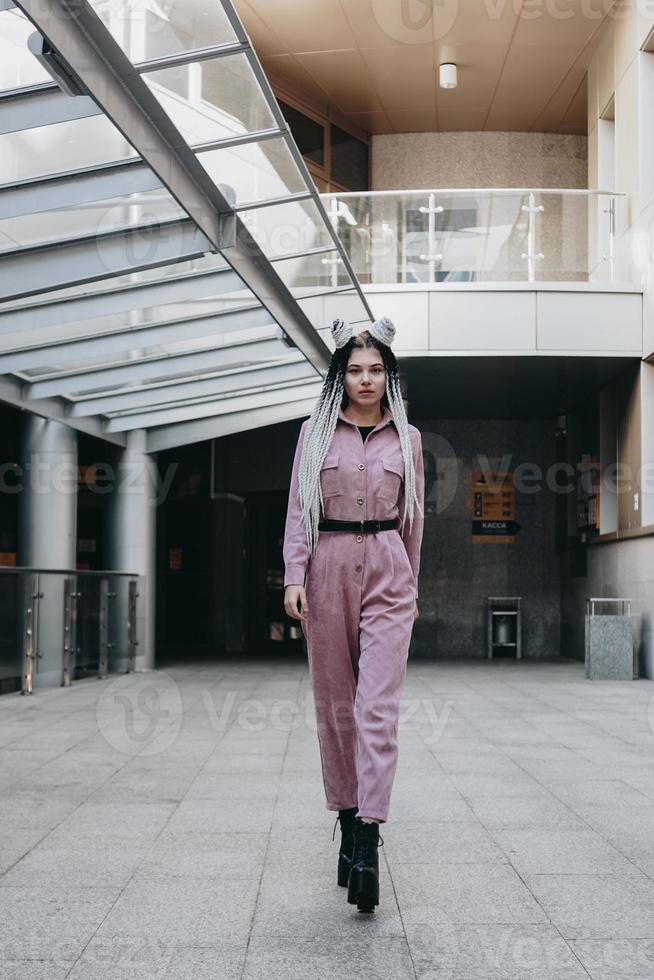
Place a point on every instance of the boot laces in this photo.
(365, 843)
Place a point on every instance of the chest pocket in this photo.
(330, 476)
(392, 474)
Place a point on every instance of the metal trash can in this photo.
(610, 654)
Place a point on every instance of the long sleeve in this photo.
(413, 538)
(296, 547)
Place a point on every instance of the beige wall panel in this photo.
(589, 321)
(482, 320)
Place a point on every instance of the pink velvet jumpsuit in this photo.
(360, 590)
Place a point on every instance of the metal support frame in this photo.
(294, 368)
(31, 598)
(185, 433)
(123, 299)
(157, 367)
(285, 394)
(132, 624)
(42, 268)
(135, 338)
(78, 34)
(71, 595)
(103, 622)
(11, 391)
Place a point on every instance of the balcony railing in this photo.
(65, 625)
(476, 235)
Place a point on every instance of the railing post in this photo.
(532, 210)
(70, 629)
(610, 210)
(31, 596)
(132, 638)
(431, 256)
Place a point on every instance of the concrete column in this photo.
(131, 535)
(48, 501)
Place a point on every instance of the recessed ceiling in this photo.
(522, 65)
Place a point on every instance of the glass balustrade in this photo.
(57, 627)
(464, 235)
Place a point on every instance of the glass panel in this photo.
(87, 627)
(209, 100)
(64, 146)
(18, 66)
(483, 236)
(313, 273)
(307, 133)
(148, 29)
(283, 229)
(49, 615)
(349, 165)
(255, 171)
(98, 218)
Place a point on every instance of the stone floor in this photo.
(172, 825)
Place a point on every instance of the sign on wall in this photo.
(493, 508)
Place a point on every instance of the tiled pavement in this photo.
(172, 825)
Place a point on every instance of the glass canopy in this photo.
(163, 248)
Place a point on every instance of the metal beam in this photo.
(211, 409)
(185, 433)
(102, 181)
(73, 189)
(134, 338)
(42, 105)
(104, 303)
(74, 29)
(11, 392)
(81, 38)
(159, 367)
(41, 268)
(273, 202)
(293, 368)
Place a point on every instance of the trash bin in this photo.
(610, 651)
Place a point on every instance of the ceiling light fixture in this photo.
(447, 74)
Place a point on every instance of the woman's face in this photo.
(365, 377)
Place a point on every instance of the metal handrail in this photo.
(478, 190)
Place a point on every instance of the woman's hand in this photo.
(292, 595)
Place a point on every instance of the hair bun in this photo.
(341, 332)
(383, 330)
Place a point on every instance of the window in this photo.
(307, 133)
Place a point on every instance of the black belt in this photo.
(359, 527)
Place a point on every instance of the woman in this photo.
(358, 479)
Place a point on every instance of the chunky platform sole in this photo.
(344, 867)
(363, 889)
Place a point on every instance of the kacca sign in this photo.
(493, 508)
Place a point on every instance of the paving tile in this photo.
(597, 906)
(616, 959)
(182, 911)
(484, 893)
(551, 851)
(294, 904)
(273, 958)
(489, 952)
(197, 854)
(121, 959)
(50, 921)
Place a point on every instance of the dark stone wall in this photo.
(456, 575)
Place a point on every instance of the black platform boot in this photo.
(363, 883)
(347, 820)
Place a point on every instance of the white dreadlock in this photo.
(322, 423)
